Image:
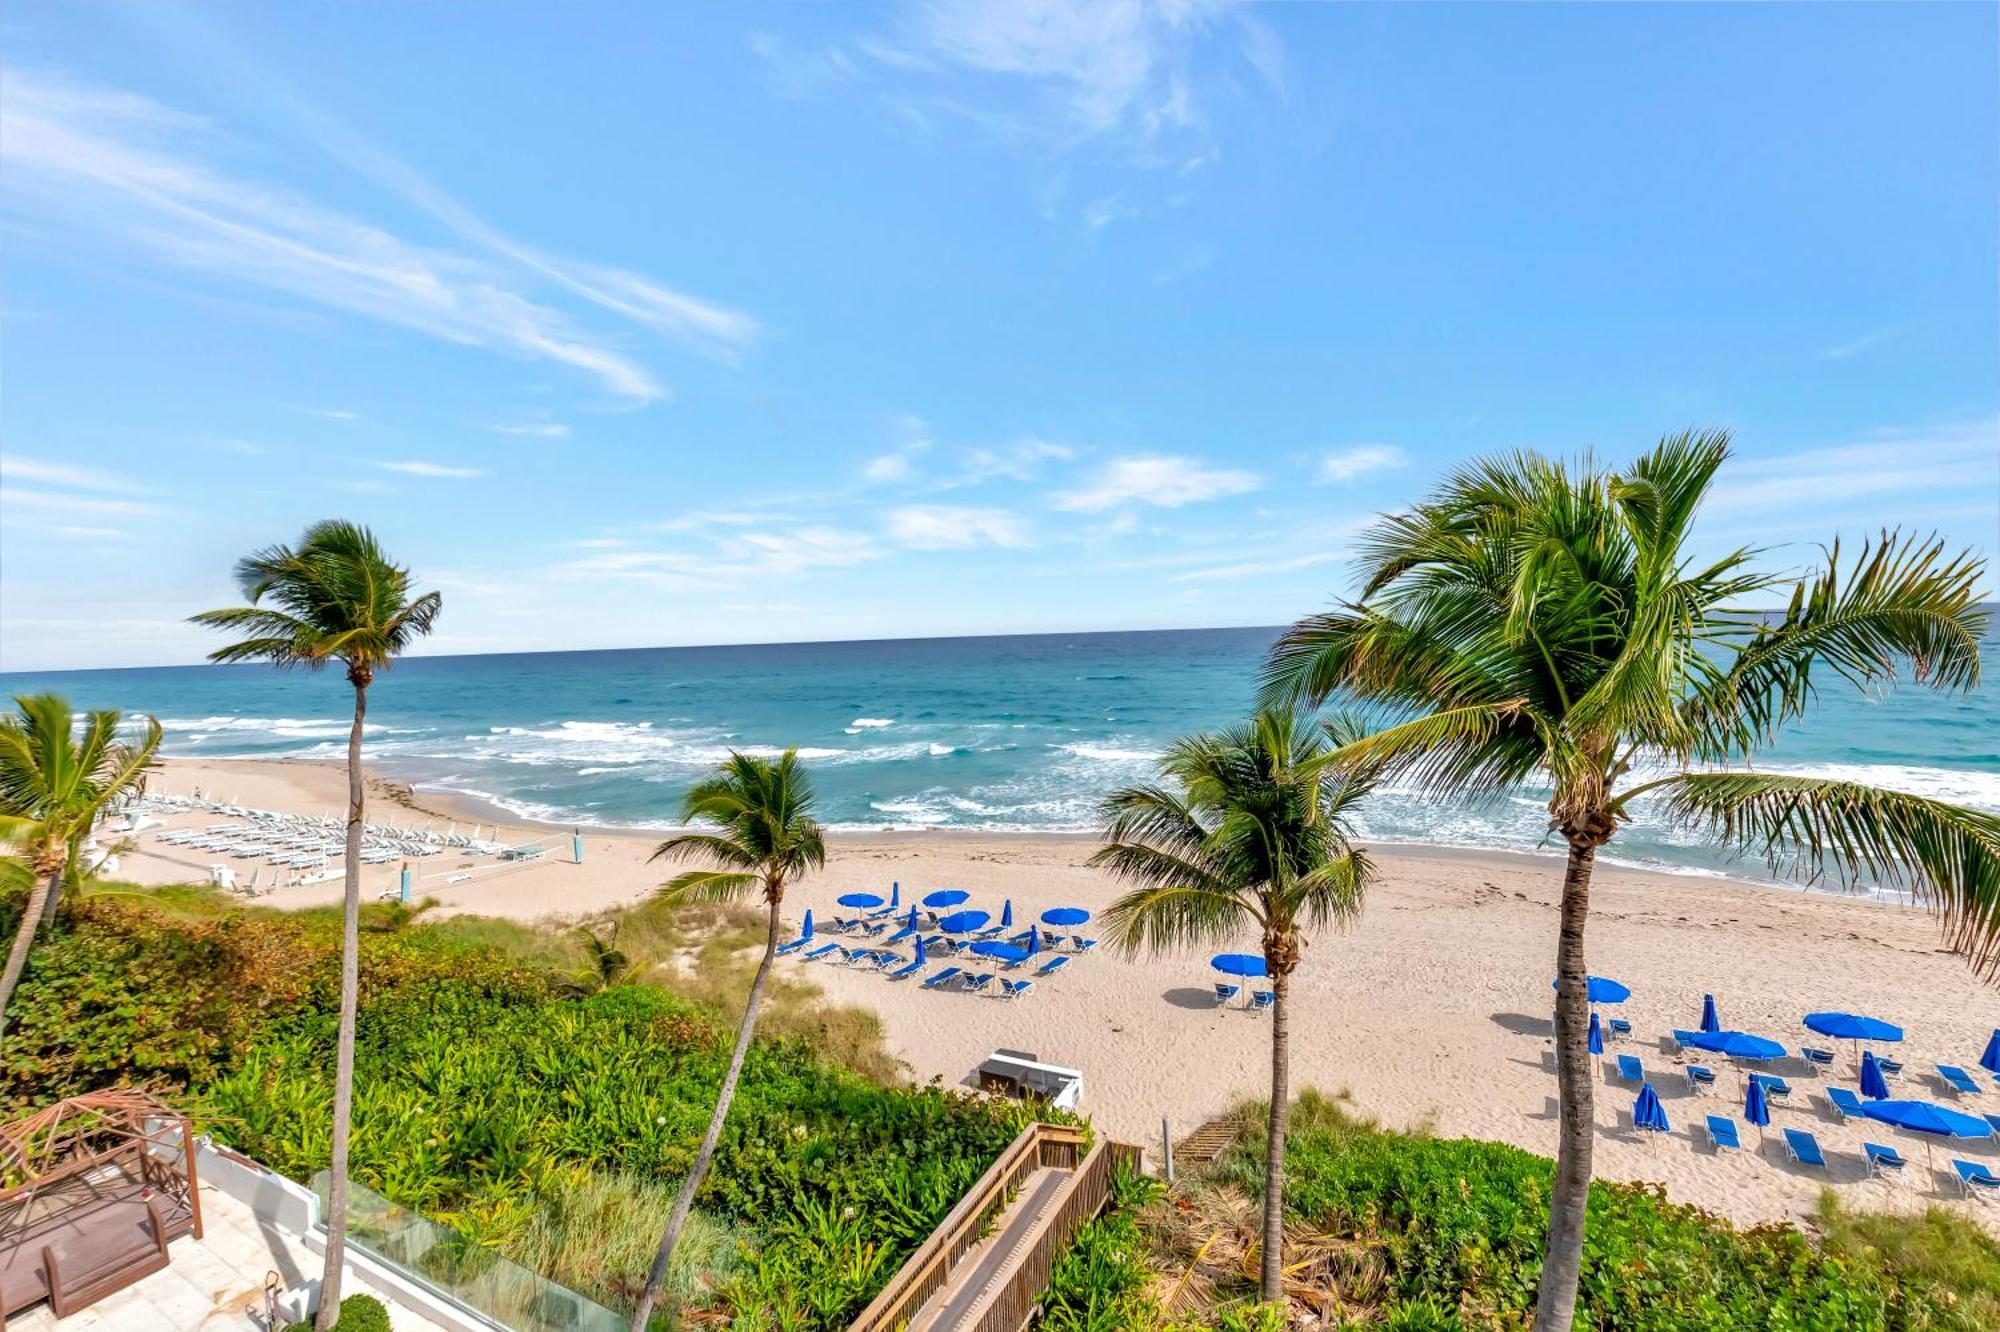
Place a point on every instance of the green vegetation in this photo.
(493, 1095)
(358, 1313)
(1535, 621)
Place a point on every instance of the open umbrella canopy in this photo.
(1710, 1020)
(1853, 1027)
(1603, 990)
(1596, 1035)
(1077, 915)
(1923, 1117)
(963, 921)
(1239, 964)
(1000, 949)
(1873, 1085)
(947, 897)
(1990, 1061)
(1648, 1113)
(1756, 1104)
(859, 901)
(1736, 1044)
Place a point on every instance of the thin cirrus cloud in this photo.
(44, 492)
(1163, 481)
(1962, 457)
(432, 470)
(143, 177)
(732, 559)
(956, 527)
(534, 430)
(16, 468)
(1346, 464)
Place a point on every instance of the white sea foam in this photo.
(870, 723)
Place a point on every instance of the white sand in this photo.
(1433, 1011)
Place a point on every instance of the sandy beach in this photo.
(1433, 1011)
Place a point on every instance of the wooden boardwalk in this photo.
(975, 1281)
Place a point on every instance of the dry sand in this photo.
(1433, 1011)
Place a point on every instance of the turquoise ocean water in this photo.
(1015, 734)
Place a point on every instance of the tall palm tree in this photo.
(1533, 621)
(760, 834)
(55, 780)
(1248, 832)
(334, 597)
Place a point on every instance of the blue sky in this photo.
(636, 324)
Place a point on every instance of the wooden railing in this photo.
(1019, 1287)
(965, 1225)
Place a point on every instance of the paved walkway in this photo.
(966, 1291)
(213, 1284)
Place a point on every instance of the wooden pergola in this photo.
(92, 1189)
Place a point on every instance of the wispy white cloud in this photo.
(1022, 460)
(732, 558)
(1161, 480)
(885, 467)
(534, 430)
(80, 506)
(1346, 464)
(334, 414)
(1865, 342)
(1255, 568)
(143, 176)
(956, 527)
(434, 470)
(14, 467)
(1964, 456)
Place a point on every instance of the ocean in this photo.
(1009, 734)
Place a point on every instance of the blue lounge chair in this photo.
(1994, 1120)
(1620, 1027)
(1224, 993)
(980, 981)
(1699, 1076)
(1803, 1147)
(1883, 1161)
(823, 950)
(1891, 1068)
(1775, 1087)
(1260, 1000)
(1630, 1069)
(909, 968)
(1976, 1179)
(1955, 1078)
(787, 949)
(1014, 989)
(1052, 966)
(1816, 1059)
(1681, 1039)
(907, 932)
(1722, 1133)
(1081, 944)
(1844, 1102)
(942, 978)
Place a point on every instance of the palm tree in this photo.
(1250, 833)
(335, 597)
(605, 964)
(55, 780)
(760, 834)
(1536, 621)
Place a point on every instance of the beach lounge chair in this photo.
(1955, 1078)
(1681, 1039)
(1891, 1068)
(1816, 1060)
(942, 978)
(1803, 1147)
(1844, 1102)
(1224, 993)
(1994, 1120)
(979, 982)
(1620, 1028)
(787, 949)
(1052, 966)
(1081, 944)
(909, 968)
(1699, 1076)
(1775, 1087)
(907, 932)
(1630, 1069)
(1722, 1134)
(823, 950)
(1883, 1161)
(1014, 989)
(1975, 1179)
(1260, 1000)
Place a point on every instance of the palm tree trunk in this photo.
(1273, 1280)
(656, 1279)
(44, 890)
(1555, 1303)
(350, 994)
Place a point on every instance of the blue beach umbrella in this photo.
(964, 922)
(1853, 1027)
(895, 894)
(1001, 950)
(1034, 940)
(1709, 1020)
(859, 901)
(910, 921)
(1933, 1121)
(1647, 1112)
(1077, 915)
(1596, 1035)
(1990, 1061)
(921, 958)
(1756, 1104)
(1602, 990)
(1737, 1045)
(947, 897)
(1239, 964)
(1007, 914)
(806, 932)
(1873, 1085)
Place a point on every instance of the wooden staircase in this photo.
(1199, 1149)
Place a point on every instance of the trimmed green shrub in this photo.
(358, 1313)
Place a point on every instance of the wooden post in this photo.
(1167, 1149)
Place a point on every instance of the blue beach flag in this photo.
(1596, 1035)
(1990, 1061)
(1709, 1019)
(1873, 1085)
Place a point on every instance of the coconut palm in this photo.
(605, 964)
(1247, 832)
(334, 597)
(56, 778)
(753, 824)
(1533, 621)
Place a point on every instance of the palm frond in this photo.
(706, 886)
(1168, 917)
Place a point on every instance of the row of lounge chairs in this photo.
(1260, 1000)
(1883, 1162)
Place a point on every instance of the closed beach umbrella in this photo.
(895, 894)
(921, 959)
(1873, 1085)
(1077, 915)
(1756, 1105)
(1990, 1061)
(1596, 1035)
(910, 921)
(1239, 964)
(1709, 1019)
(807, 931)
(1007, 914)
(1647, 1112)
(1603, 990)
(1034, 941)
(859, 901)
(947, 897)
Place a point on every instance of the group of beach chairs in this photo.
(877, 934)
(1974, 1178)
(301, 841)
(1260, 1001)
